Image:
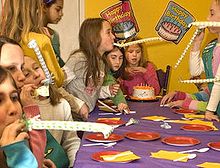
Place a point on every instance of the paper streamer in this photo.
(139, 41)
(37, 124)
(33, 44)
(200, 80)
(200, 25)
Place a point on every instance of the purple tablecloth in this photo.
(144, 148)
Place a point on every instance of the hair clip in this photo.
(48, 1)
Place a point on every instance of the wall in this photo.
(147, 13)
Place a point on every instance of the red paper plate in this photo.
(97, 156)
(197, 127)
(214, 145)
(180, 141)
(142, 136)
(98, 137)
(185, 111)
(110, 121)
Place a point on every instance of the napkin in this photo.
(209, 165)
(116, 119)
(207, 123)
(155, 118)
(127, 156)
(169, 155)
(194, 116)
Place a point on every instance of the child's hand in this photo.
(123, 106)
(48, 164)
(198, 40)
(26, 94)
(13, 133)
(211, 116)
(178, 103)
(114, 89)
(84, 112)
(168, 98)
(133, 70)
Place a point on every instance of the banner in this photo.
(122, 19)
(173, 24)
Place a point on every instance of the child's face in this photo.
(107, 38)
(12, 58)
(10, 107)
(115, 59)
(133, 55)
(214, 16)
(55, 12)
(33, 72)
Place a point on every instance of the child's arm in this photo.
(70, 141)
(15, 147)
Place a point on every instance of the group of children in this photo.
(98, 69)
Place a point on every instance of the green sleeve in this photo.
(119, 97)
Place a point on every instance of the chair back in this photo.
(163, 78)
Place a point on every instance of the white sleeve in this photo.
(70, 140)
(215, 94)
(104, 92)
(69, 75)
(196, 65)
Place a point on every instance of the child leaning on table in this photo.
(13, 140)
(54, 108)
(208, 63)
(140, 72)
(115, 62)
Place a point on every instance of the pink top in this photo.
(148, 78)
(37, 138)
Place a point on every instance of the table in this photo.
(144, 148)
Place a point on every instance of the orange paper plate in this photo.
(185, 111)
(111, 121)
(98, 137)
(214, 145)
(97, 156)
(197, 127)
(180, 141)
(142, 136)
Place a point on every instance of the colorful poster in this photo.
(173, 24)
(122, 19)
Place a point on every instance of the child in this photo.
(52, 108)
(115, 61)
(11, 58)
(95, 38)
(12, 136)
(53, 14)
(140, 71)
(23, 26)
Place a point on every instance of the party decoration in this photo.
(201, 80)
(33, 44)
(122, 19)
(201, 26)
(138, 41)
(35, 123)
(173, 24)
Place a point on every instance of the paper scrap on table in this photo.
(207, 123)
(169, 155)
(115, 119)
(155, 118)
(127, 156)
(194, 116)
(209, 165)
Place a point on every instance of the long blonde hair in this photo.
(21, 17)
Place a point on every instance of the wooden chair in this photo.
(163, 78)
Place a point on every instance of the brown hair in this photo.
(89, 41)
(5, 40)
(55, 96)
(21, 17)
(143, 61)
